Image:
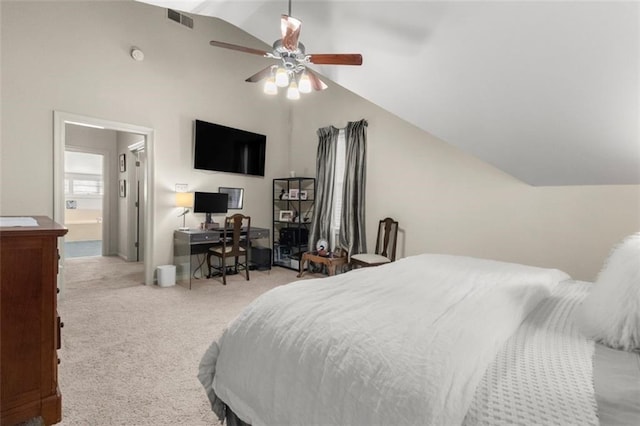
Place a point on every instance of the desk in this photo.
(195, 241)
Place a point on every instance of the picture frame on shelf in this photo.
(293, 194)
(285, 216)
(236, 197)
(123, 162)
(303, 195)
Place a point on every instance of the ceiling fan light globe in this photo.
(305, 83)
(292, 92)
(270, 87)
(282, 78)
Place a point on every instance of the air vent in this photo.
(186, 21)
(180, 18)
(173, 15)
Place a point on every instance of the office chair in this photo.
(235, 243)
(385, 246)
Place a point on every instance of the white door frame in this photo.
(61, 118)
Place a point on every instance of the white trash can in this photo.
(166, 275)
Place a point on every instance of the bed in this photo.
(427, 340)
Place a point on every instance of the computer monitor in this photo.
(210, 203)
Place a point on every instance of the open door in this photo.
(138, 206)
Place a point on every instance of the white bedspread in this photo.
(404, 343)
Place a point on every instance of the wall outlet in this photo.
(182, 187)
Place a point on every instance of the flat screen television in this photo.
(225, 149)
(210, 203)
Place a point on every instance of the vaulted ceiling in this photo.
(547, 91)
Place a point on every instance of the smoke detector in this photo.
(137, 54)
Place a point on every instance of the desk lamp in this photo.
(184, 200)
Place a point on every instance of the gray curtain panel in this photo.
(352, 229)
(352, 236)
(325, 170)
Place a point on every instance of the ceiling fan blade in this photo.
(239, 48)
(260, 75)
(316, 83)
(336, 58)
(290, 28)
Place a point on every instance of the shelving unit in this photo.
(293, 200)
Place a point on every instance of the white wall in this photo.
(74, 57)
(448, 201)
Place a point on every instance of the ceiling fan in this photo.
(292, 72)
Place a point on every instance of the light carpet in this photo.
(130, 352)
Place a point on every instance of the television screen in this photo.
(210, 202)
(225, 149)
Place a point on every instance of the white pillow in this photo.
(610, 314)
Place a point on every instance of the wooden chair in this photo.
(235, 243)
(385, 246)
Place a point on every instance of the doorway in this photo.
(62, 122)
(83, 203)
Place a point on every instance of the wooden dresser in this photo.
(29, 323)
